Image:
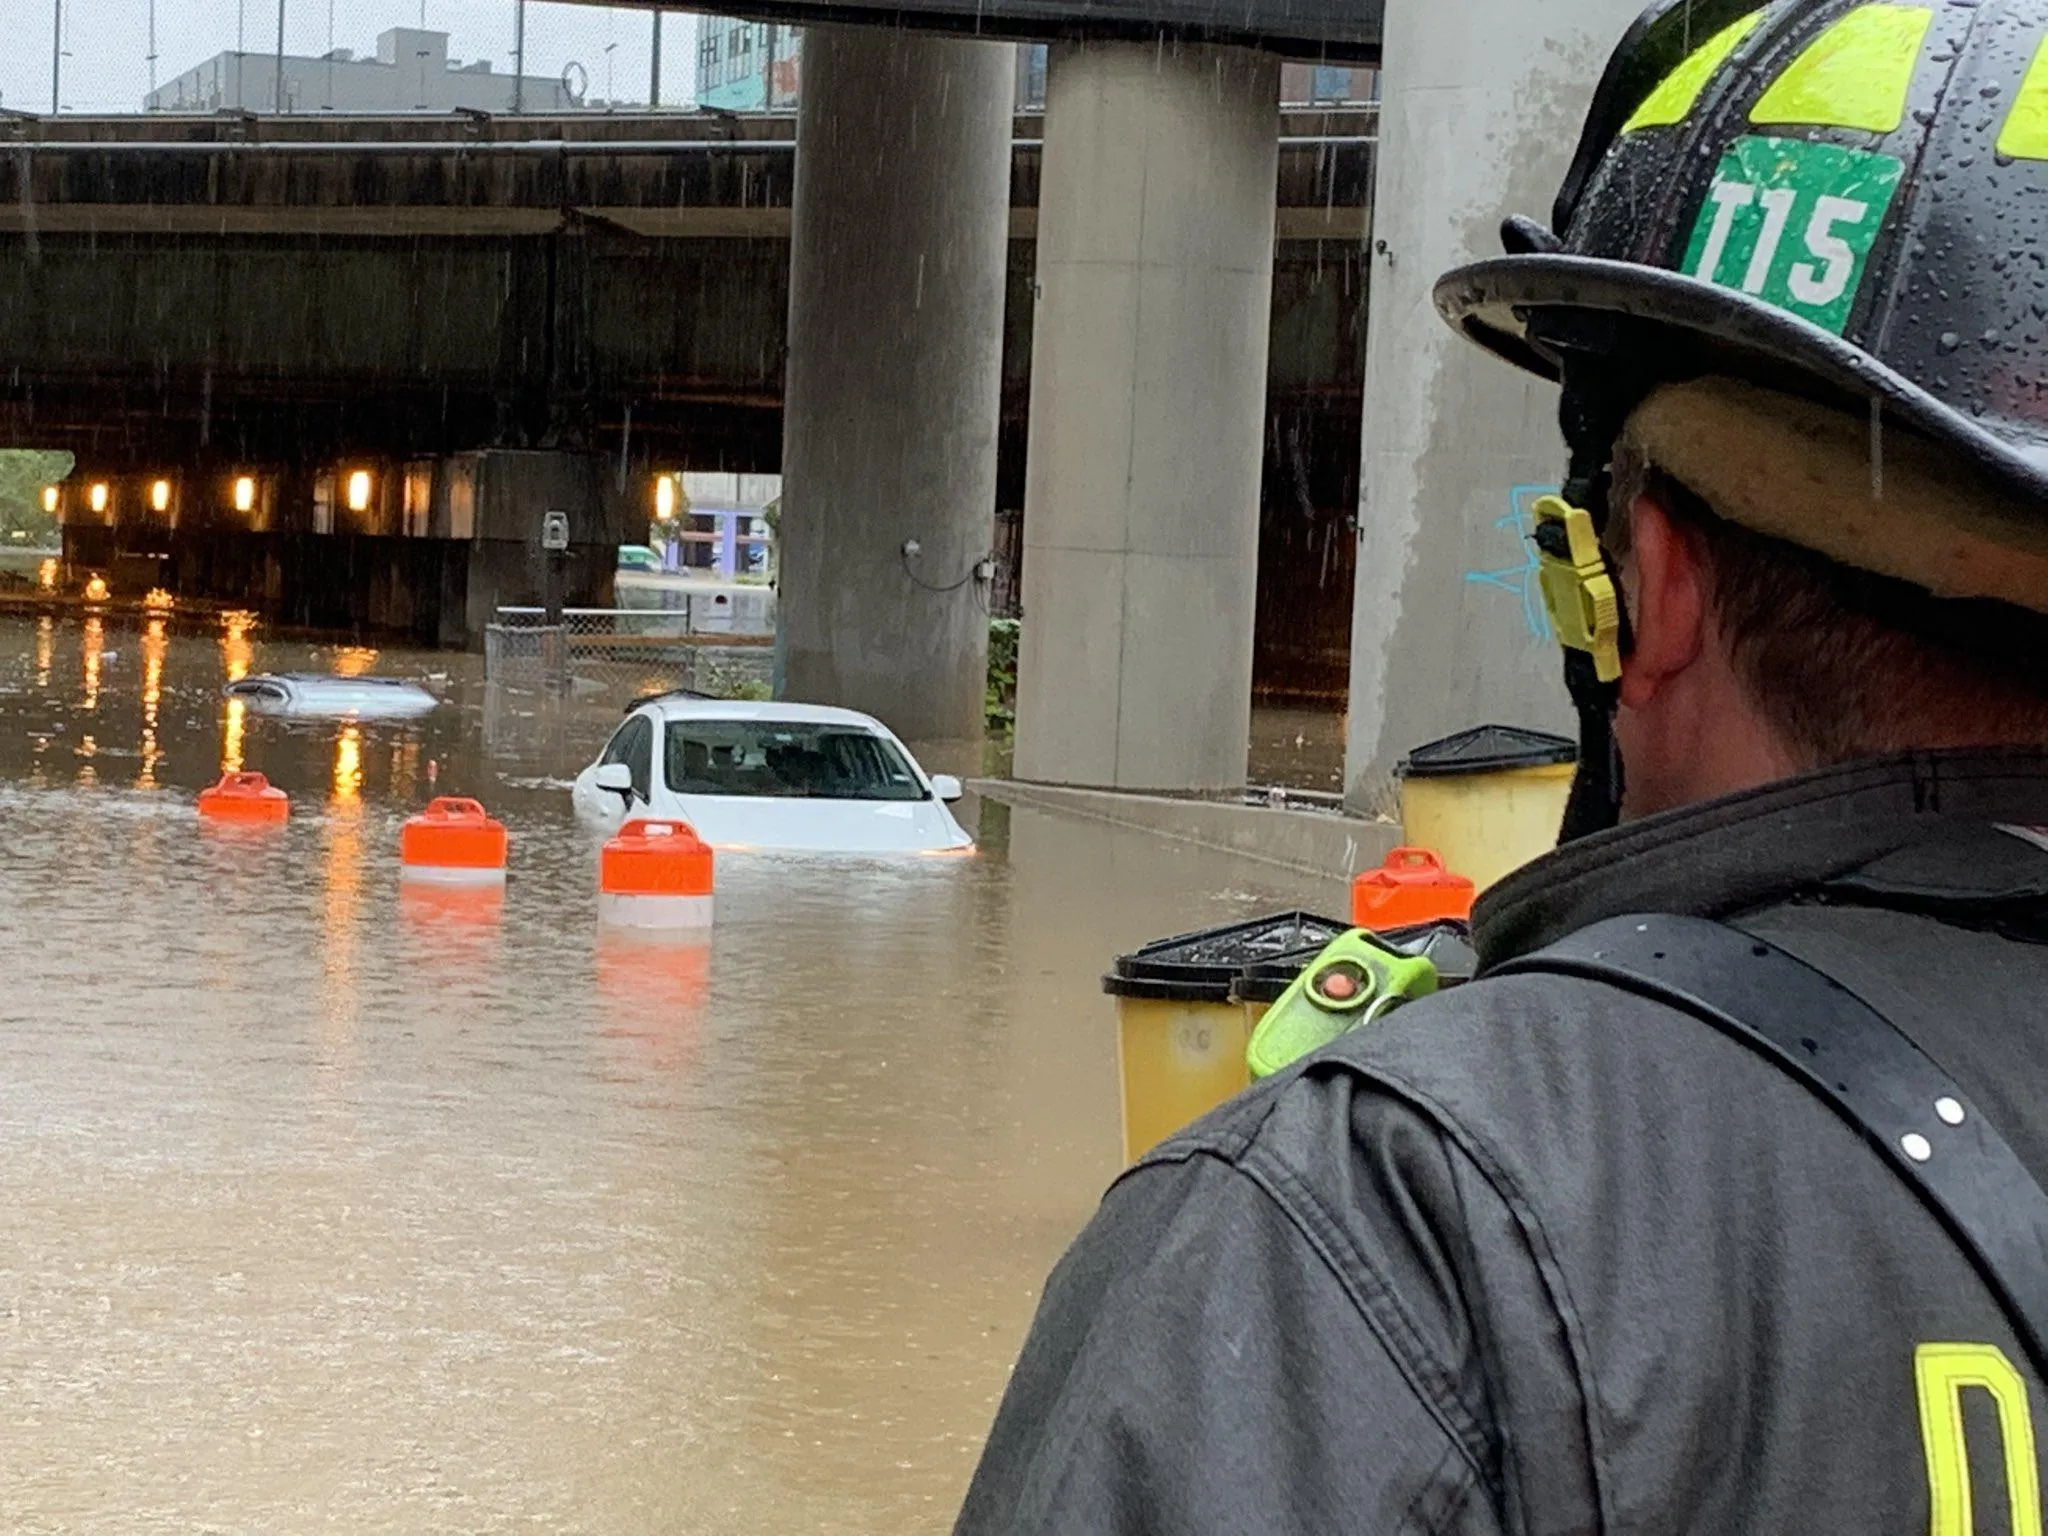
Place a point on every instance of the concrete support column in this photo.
(1480, 108)
(897, 260)
(1148, 386)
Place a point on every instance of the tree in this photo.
(24, 472)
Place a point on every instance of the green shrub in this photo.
(1001, 706)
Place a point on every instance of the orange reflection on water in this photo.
(354, 660)
(231, 726)
(654, 987)
(348, 766)
(236, 656)
(341, 898)
(235, 651)
(46, 646)
(154, 644)
(94, 639)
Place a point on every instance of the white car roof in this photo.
(776, 713)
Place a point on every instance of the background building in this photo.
(746, 66)
(753, 66)
(411, 73)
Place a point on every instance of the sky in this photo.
(106, 42)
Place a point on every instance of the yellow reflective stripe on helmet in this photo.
(1854, 75)
(2025, 134)
(1674, 97)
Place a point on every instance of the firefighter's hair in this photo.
(1842, 663)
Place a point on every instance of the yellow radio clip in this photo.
(1578, 592)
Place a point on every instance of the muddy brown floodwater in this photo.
(326, 1211)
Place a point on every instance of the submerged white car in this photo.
(317, 696)
(798, 777)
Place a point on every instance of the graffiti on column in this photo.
(1519, 579)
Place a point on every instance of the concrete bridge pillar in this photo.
(897, 259)
(1148, 385)
(1480, 109)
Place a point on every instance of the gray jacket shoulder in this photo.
(1611, 1230)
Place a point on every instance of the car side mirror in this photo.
(616, 777)
(946, 787)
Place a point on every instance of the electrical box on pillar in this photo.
(554, 543)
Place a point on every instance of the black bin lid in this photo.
(1199, 967)
(1488, 749)
(1447, 944)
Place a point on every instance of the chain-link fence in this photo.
(629, 650)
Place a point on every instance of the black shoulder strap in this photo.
(1856, 1060)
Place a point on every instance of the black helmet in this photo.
(1843, 199)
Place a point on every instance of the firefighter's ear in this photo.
(1664, 583)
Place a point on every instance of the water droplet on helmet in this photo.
(1989, 91)
(1989, 338)
(1950, 341)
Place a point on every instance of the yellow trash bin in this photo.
(1180, 1038)
(1487, 800)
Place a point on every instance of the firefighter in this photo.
(1547, 1254)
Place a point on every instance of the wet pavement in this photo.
(328, 1209)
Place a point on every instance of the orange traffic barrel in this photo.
(1411, 887)
(454, 841)
(247, 798)
(655, 874)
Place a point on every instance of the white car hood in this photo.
(822, 826)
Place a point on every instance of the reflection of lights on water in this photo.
(348, 765)
(340, 900)
(94, 639)
(46, 649)
(46, 575)
(405, 764)
(158, 598)
(354, 660)
(154, 645)
(236, 653)
(96, 590)
(236, 656)
(231, 737)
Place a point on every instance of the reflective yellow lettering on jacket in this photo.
(1941, 1372)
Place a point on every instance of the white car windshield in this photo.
(786, 759)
